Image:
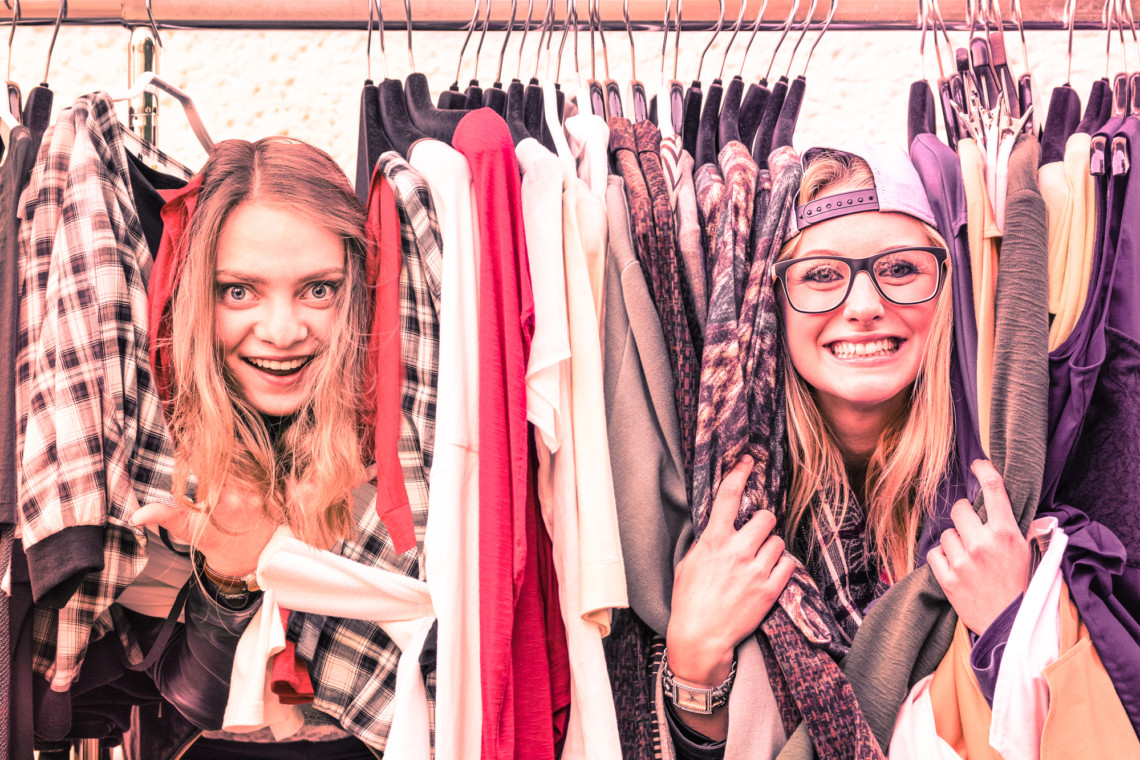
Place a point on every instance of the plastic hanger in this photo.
(638, 102)
(516, 93)
(728, 129)
(13, 101)
(614, 105)
(452, 99)
(1064, 106)
(790, 112)
(395, 120)
(766, 127)
(153, 83)
(710, 115)
(694, 96)
(495, 97)
(754, 99)
(920, 101)
(474, 93)
(371, 140)
(533, 98)
(596, 91)
(423, 115)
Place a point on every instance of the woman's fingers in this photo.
(178, 522)
(769, 554)
(726, 504)
(998, 510)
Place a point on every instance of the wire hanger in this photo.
(371, 140)
(474, 92)
(614, 106)
(756, 98)
(766, 130)
(728, 129)
(13, 104)
(659, 110)
(428, 120)
(452, 98)
(533, 103)
(637, 98)
(494, 97)
(790, 112)
(694, 96)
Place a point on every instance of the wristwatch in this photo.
(691, 698)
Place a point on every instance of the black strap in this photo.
(167, 631)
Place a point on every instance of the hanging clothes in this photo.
(678, 167)
(83, 177)
(16, 735)
(452, 534)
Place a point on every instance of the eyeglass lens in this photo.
(822, 284)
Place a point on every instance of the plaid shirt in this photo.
(91, 432)
(352, 663)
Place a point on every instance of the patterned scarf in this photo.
(741, 410)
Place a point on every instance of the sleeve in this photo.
(689, 744)
(985, 656)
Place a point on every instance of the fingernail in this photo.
(746, 459)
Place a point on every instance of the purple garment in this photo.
(1075, 364)
(1095, 416)
(941, 174)
(987, 649)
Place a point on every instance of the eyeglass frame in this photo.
(864, 265)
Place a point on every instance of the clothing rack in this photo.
(452, 15)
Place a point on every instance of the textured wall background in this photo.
(307, 84)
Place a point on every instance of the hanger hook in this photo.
(463, 49)
(822, 31)
(547, 24)
(602, 37)
(940, 25)
(380, 33)
(526, 31)
(664, 37)
(629, 31)
(677, 41)
(368, 42)
(924, 16)
(1132, 25)
(408, 14)
(735, 31)
(506, 38)
(153, 26)
(719, 26)
(12, 34)
(803, 34)
(787, 26)
(752, 38)
(1015, 11)
(482, 36)
(565, 34)
(55, 33)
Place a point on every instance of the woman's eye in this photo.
(896, 269)
(236, 293)
(322, 291)
(822, 274)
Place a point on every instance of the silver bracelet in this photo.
(690, 698)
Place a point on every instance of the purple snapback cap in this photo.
(897, 188)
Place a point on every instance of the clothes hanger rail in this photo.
(447, 15)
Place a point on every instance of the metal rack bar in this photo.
(447, 15)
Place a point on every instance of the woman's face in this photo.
(862, 356)
(277, 279)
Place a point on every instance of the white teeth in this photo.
(882, 347)
(278, 366)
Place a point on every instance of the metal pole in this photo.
(455, 15)
(142, 115)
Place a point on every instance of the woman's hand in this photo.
(724, 587)
(982, 567)
(231, 543)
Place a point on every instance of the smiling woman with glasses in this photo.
(866, 325)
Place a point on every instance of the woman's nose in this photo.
(281, 325)
(863, 302)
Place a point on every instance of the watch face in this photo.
(697, 702)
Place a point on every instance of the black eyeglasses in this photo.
(904, 276)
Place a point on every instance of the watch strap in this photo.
(695, 699)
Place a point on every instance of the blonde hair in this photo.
(911, 456)
(306, 478)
